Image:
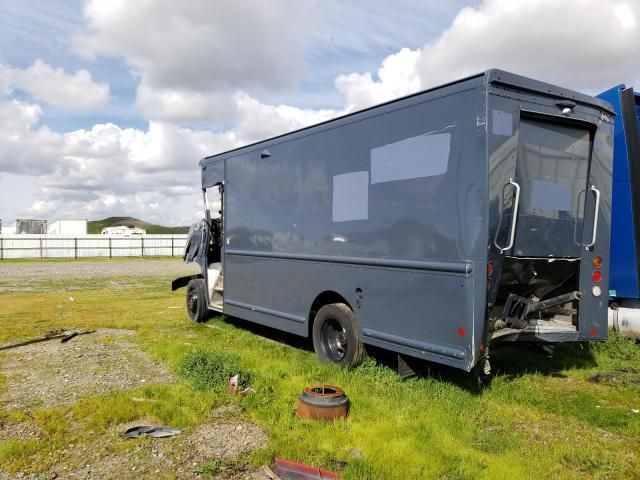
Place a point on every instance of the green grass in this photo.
(541, 417)
(211, 369)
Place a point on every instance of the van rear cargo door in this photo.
(552, 169)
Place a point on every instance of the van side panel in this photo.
(386, 208)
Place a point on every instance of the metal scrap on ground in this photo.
(63, 335)
(289, 470)
(151, 431)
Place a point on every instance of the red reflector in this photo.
(490, 268)
(461, 331)
(482, 347)
(596, 276)
(593, 332)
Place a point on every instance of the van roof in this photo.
(494, 76)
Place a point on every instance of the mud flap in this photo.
(182, 282)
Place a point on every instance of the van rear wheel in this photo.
(197, 300)
(336, 336)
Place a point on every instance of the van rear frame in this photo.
(434, 225)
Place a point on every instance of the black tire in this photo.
(336, 336)
(197, 300)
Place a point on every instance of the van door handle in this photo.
(575, 227)
(514, 220)
(594, 234)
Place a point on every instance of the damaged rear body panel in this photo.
(551, 224)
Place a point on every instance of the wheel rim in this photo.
(192, 303)
(334, 339)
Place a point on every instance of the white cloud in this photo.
(258, 121)
(183, 106)
(397, 76)
(581, 44)
(200, 45)
(80, 173)
(585, 45)
(24, 148)
(56, 87)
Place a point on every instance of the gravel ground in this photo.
(228, 438)
(51, 373)
(88, 269)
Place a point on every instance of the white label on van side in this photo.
(351, 196)
(415, 157)
(501, 123)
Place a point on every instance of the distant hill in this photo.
(96, 226)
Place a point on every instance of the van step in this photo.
(217, 306)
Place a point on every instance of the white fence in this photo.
(65, 246)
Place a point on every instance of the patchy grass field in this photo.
(570, 416)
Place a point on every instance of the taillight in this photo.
(596, 262)
(596, 276)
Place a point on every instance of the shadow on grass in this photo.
(511, 360)
(508, 360)
(515, 360)
(271, 334)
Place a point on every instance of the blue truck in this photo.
(624, 282)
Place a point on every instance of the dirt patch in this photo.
(226, 441)
(52, 373)
(18, 431)
(625, 375)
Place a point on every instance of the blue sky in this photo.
(106, 107)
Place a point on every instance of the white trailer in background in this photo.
(123, 231)
(68, 227)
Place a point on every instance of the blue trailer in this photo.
(624, 282)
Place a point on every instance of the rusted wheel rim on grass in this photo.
(325, 402)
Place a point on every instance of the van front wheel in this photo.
(197, 300)
(336, 336)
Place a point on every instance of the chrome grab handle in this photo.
(575, 227)
(594, 234)
(514, 219)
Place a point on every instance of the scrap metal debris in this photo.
(150, 431)
(323, 402)
(234, 387)
(289, 470)
(63, 335)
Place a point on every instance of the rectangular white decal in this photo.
(415, 157)
(351, 196)
(502, 123)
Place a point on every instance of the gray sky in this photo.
(106, 107)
